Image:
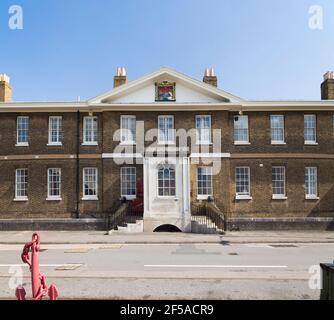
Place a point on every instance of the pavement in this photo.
(172, 271)
(99, 237)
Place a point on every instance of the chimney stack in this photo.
(120, 77)
(210, 78)
(5, 88)
(327, 87)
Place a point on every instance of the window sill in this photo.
(22, 145)
(54, 144)
(128, 143)
(128, 197)
(243, 198)
(22, 199)
(54, 199)
(241, 143)
(278, 197)
(205, 197)
(311, 143)
(90, 199)
(312, 197)
(90, 144)
(278, 143)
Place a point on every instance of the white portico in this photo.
(166, 193)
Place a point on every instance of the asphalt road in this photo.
(171, 271)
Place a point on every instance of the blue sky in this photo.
(260, 49)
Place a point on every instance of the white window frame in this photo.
(91, 141)
(208, 173)
(54, 197)
(85, 181)
(243, 195)
(18, 185)
(128, 180)
(200, 130)
(126, 132)
(308, 181)
(280, 128)
(314, 128)
(19, 129)
(235, 129)
(281, 196)
(172, 140)
(58, 131)
(163, 188)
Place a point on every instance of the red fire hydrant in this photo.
(38, 281)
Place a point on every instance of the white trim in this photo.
(311, 197)
(21, 199)
(204, 197)
(210, 155)
(22, 144)
(90, 144)
(278, 143)
(243, 197)
(242, 143)
(90, 198)
(279, 197)
(54, 199)
(54, 144)
(311, 143)
(121, 155)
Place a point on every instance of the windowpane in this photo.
(54, 182)
(310, 128)
(21, 186)
(241, 129)
(311, 181)
(166, 129)
(242, 181)
(22, 129)
(90, 182)
(278, 181)
(90, 130)
(55, 129)
(277, 128)
(203, 126)
(128, 181)
(128, 129)
(166, 181)
(204, 181)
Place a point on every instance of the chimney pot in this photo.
(120, 77)
(210, 78)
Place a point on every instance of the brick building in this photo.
(175, 144)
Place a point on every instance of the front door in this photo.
(167, 195)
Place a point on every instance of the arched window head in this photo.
(166, 181)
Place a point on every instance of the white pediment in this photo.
(187, 90)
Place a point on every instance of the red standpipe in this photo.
(38, 281)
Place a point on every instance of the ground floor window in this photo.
(311, 182)
(204, 182)
(21, 185)
(278, 182)
(128, 182)
(54, 184)
(242, 182)
(166, 181)
(90, 183)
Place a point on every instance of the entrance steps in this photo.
(131, 225)
(201, 225)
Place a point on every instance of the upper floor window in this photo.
(277, 129)
(128, 182)
(204, 182)
(90, 184)
(166, 130)
(90, 130)
(22, 131)
(166, 181)
(203, 127)
(310, 129)
(311, 183)
(128, 129)
(21, 185)
(55, 130)
(241, 134)
(278, 182)
(242, 182)
(54, 184)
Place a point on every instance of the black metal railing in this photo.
(209, 214)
